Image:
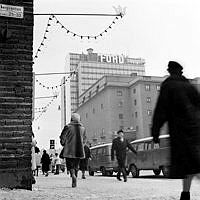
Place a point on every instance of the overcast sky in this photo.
(155, 30)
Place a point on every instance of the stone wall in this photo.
(16, 43)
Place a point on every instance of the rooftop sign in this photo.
(11, 11)
(119, 59)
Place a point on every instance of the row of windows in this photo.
(148, 88)
(149, 113)
(148, 100)
(111, 68)
(120, 116)
(148, 145)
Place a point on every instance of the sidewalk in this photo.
(58, 187)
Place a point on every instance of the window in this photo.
(149, 145)
(140, 147)
(90, 93)
(83, 99)
(135, 102)
(86, 115)
(137, 128)
(136, 114)
(148, 99)
(119, 93)
(158, 87)
(134, 90)
(149, 112)
(120, 103)
(121, 116)
(97, 88)
(101, 106)
(93, 110)
(147, 87)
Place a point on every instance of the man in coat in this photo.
(179, 105)
(72, 138)
(119, 148)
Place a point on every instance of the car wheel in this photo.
(165, 171)
(156, 171)
(134, 171)
(103, 171)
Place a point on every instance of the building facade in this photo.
(92, 66)
(119, 102)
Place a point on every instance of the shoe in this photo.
(185, 196)
(119, 179)
(125, 180)
(73, 181)
(83, 177)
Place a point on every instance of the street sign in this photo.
(11, 11)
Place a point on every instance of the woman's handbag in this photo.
(61, 153)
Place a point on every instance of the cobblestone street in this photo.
(146, 187)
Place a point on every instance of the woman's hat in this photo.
(174, 66)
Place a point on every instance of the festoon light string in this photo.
(51, 17)
(86, 36)
(44, 38)
(44, 109)
(55, 86)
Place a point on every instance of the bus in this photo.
(101, 160)
(150, 156)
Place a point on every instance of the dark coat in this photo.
(119, 149)
(71, 139)
(45, 160)
(83, 165)
(179, 105)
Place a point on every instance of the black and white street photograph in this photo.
(99, 100)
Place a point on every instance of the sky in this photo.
(155, 30)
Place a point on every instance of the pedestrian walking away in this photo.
(72, 138)
(45, 160)
(83, 166)
(57, 163)
(119, 146)
(179, 105)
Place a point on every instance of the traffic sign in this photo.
(52, 144)
(11, 11)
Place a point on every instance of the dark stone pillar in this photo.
(16, 80)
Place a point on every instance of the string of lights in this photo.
(44, 109)
(86, 36)
(44, 37)
(56, 86)
(52, 16)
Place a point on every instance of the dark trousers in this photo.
(57, 169)
(121, 169)
(72, 164)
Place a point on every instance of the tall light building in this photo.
(90, 68)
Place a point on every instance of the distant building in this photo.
(90, 68)
(119, 102)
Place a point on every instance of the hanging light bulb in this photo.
(59, 108)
